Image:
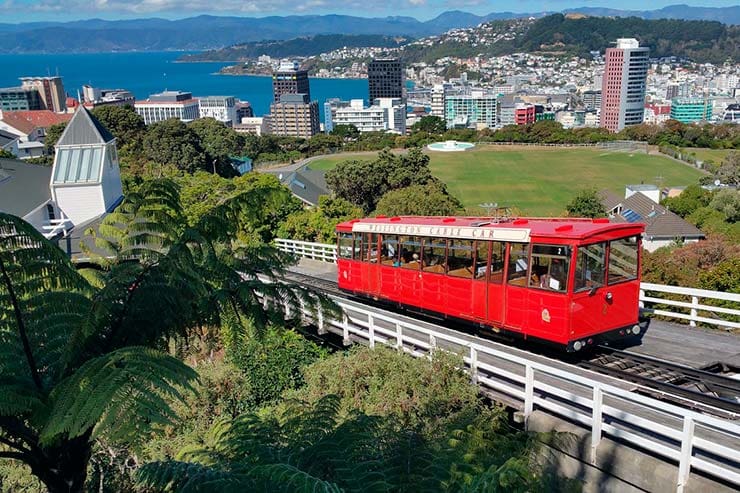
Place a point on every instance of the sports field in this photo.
(541, 181)
(704, 154)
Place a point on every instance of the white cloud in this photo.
(86, 8)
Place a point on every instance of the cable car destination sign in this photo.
(445, 231)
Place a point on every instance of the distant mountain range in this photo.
(208, 32)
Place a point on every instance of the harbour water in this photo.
(144, 73)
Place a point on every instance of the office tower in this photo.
(295, 116)
(51, 91)
(623, 87)
(385, 79)
(222, 108)
(289, 79)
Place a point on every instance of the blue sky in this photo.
(61, 10)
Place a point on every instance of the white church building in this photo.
(82, 186)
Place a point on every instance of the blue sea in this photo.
(144, 73)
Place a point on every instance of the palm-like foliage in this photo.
(310, 448)
(80, 352)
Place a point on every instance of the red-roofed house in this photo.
(31, 125)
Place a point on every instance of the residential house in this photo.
(640, 204)
(80, 188)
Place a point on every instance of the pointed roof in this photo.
(84, 128)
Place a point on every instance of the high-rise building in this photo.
(331, 106)
(385, 115)
(290, 79)
(385, 79)
(477, 110)
(691, 110)
(20, 99)
(592, 99)
(439, 92)
(166, 105)
(295, 116)
(623, 87)
(51, 91)
(222, 108)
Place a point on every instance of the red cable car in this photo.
(569, 282)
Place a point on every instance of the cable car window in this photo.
(357, 249)
(481, 259)
(518, 264)
(345, 245)
(434, 257)
(590, 267)
(410, 252)
(498, 256)
(550, 267)
(389, 250)
(623, 256)
(372, 247)
(460, 258)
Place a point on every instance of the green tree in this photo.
(6, 154)
(172, 142)
(728, 203)
(430, 124)
(220, 142)
(364, 182)
(347, 132)
(53, 133)
(273, 363)
(202, 191)
(126, 126)
(419, 200)
(359, 182)
(586, 203)
(319, 223)
(68, 373)
(729, 171)
(78, 349)
(691, 199)
(333, 443)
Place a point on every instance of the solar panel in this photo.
(631, 216)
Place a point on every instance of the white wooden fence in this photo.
(694, 307)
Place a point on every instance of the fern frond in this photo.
(101, 392)
(186, 477)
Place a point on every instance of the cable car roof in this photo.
(510, 229)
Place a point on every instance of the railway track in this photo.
(700, 390)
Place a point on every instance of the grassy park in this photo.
(541, 181)
(704, 154)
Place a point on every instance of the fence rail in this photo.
(691, 308)
(692, 440)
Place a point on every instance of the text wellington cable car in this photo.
(570, 282)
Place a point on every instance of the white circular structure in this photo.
(450, 146)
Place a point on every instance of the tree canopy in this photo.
(586, 203)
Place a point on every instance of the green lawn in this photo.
(540, 182)
(329, 162)
(703, 154)
(543, 181)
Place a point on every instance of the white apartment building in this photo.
(386, 115)
(221, 108)
(477, 110)
(166, 105)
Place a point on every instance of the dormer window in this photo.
(78, 165)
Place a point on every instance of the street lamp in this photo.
(489, 207)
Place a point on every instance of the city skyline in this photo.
(18, 11)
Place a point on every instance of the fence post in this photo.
(399, 336)
(345, 330)
(528, 392)
(320, 314)
(642, 298)
(473, 365)
(596, 418)
(694, 313)
(684, 466)
(371, 329)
